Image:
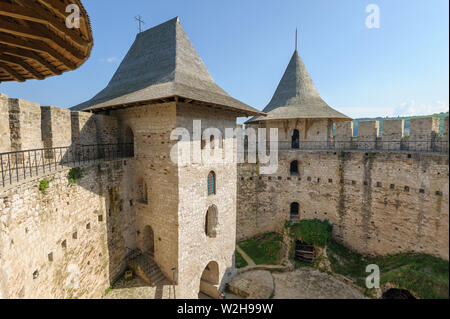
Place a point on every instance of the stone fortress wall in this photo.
(82, 233)
(379, 201)
(78, 235)
(71, 241)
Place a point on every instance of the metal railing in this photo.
(405, 145)
(20, 165)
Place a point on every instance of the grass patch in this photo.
(239, 260)
(311, 231)
(75, 174)
(425, 276)
(264, 250)
(44, 185)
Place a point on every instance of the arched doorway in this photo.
(148, 241)
(294, 213)
(294, 168)
(295, 139)
(209, 281)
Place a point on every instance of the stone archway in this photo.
(394, 293)
(209, 281)
(148, 241)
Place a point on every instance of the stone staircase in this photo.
(143, 265)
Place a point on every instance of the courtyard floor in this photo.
(139, 289)
(303, 283)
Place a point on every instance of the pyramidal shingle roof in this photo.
(297, 97)
(163, 63)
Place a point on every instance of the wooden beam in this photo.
(36, 46)
(32, 56)
(37, 32)
(11, 72)
(23, 64)
(41, 16)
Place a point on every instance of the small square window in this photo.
(50, 257)
(100, 218)
(421, 191)
(392, 186)
(330, 180)
(88, 226)
(75, 235)
(64, 244)
(406, 189)
(379, 184)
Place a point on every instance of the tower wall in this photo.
(154, 171)
(196, 249)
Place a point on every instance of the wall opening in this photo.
(128, 139)
(294, 213)
(148, 241)
(211, 183)
(304, 251)
(295, 139)
(142, 192)
(211, 222)
(397, 294)
(209, 281)
(294, 168)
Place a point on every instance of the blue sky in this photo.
(399, 69)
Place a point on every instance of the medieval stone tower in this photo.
(185, 213)
(173, 221)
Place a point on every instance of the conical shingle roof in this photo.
(163, 63)
(297, 97)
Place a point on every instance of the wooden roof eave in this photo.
(173, 98)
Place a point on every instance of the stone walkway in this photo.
(249, 261)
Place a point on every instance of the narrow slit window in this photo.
(211, 183)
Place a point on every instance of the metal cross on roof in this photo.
(141, 22)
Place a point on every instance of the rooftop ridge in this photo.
(297, 96)
(162, 62)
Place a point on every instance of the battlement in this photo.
(424, 135)
(26, 125)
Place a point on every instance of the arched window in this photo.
(142, 192)
(295, 139)
(211, 183)
(294, 211)
(211, 222)
(294, 168)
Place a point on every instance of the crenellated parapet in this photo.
(25, 125)
(424, 135)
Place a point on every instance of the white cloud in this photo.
(412, 108)
(109, 60)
